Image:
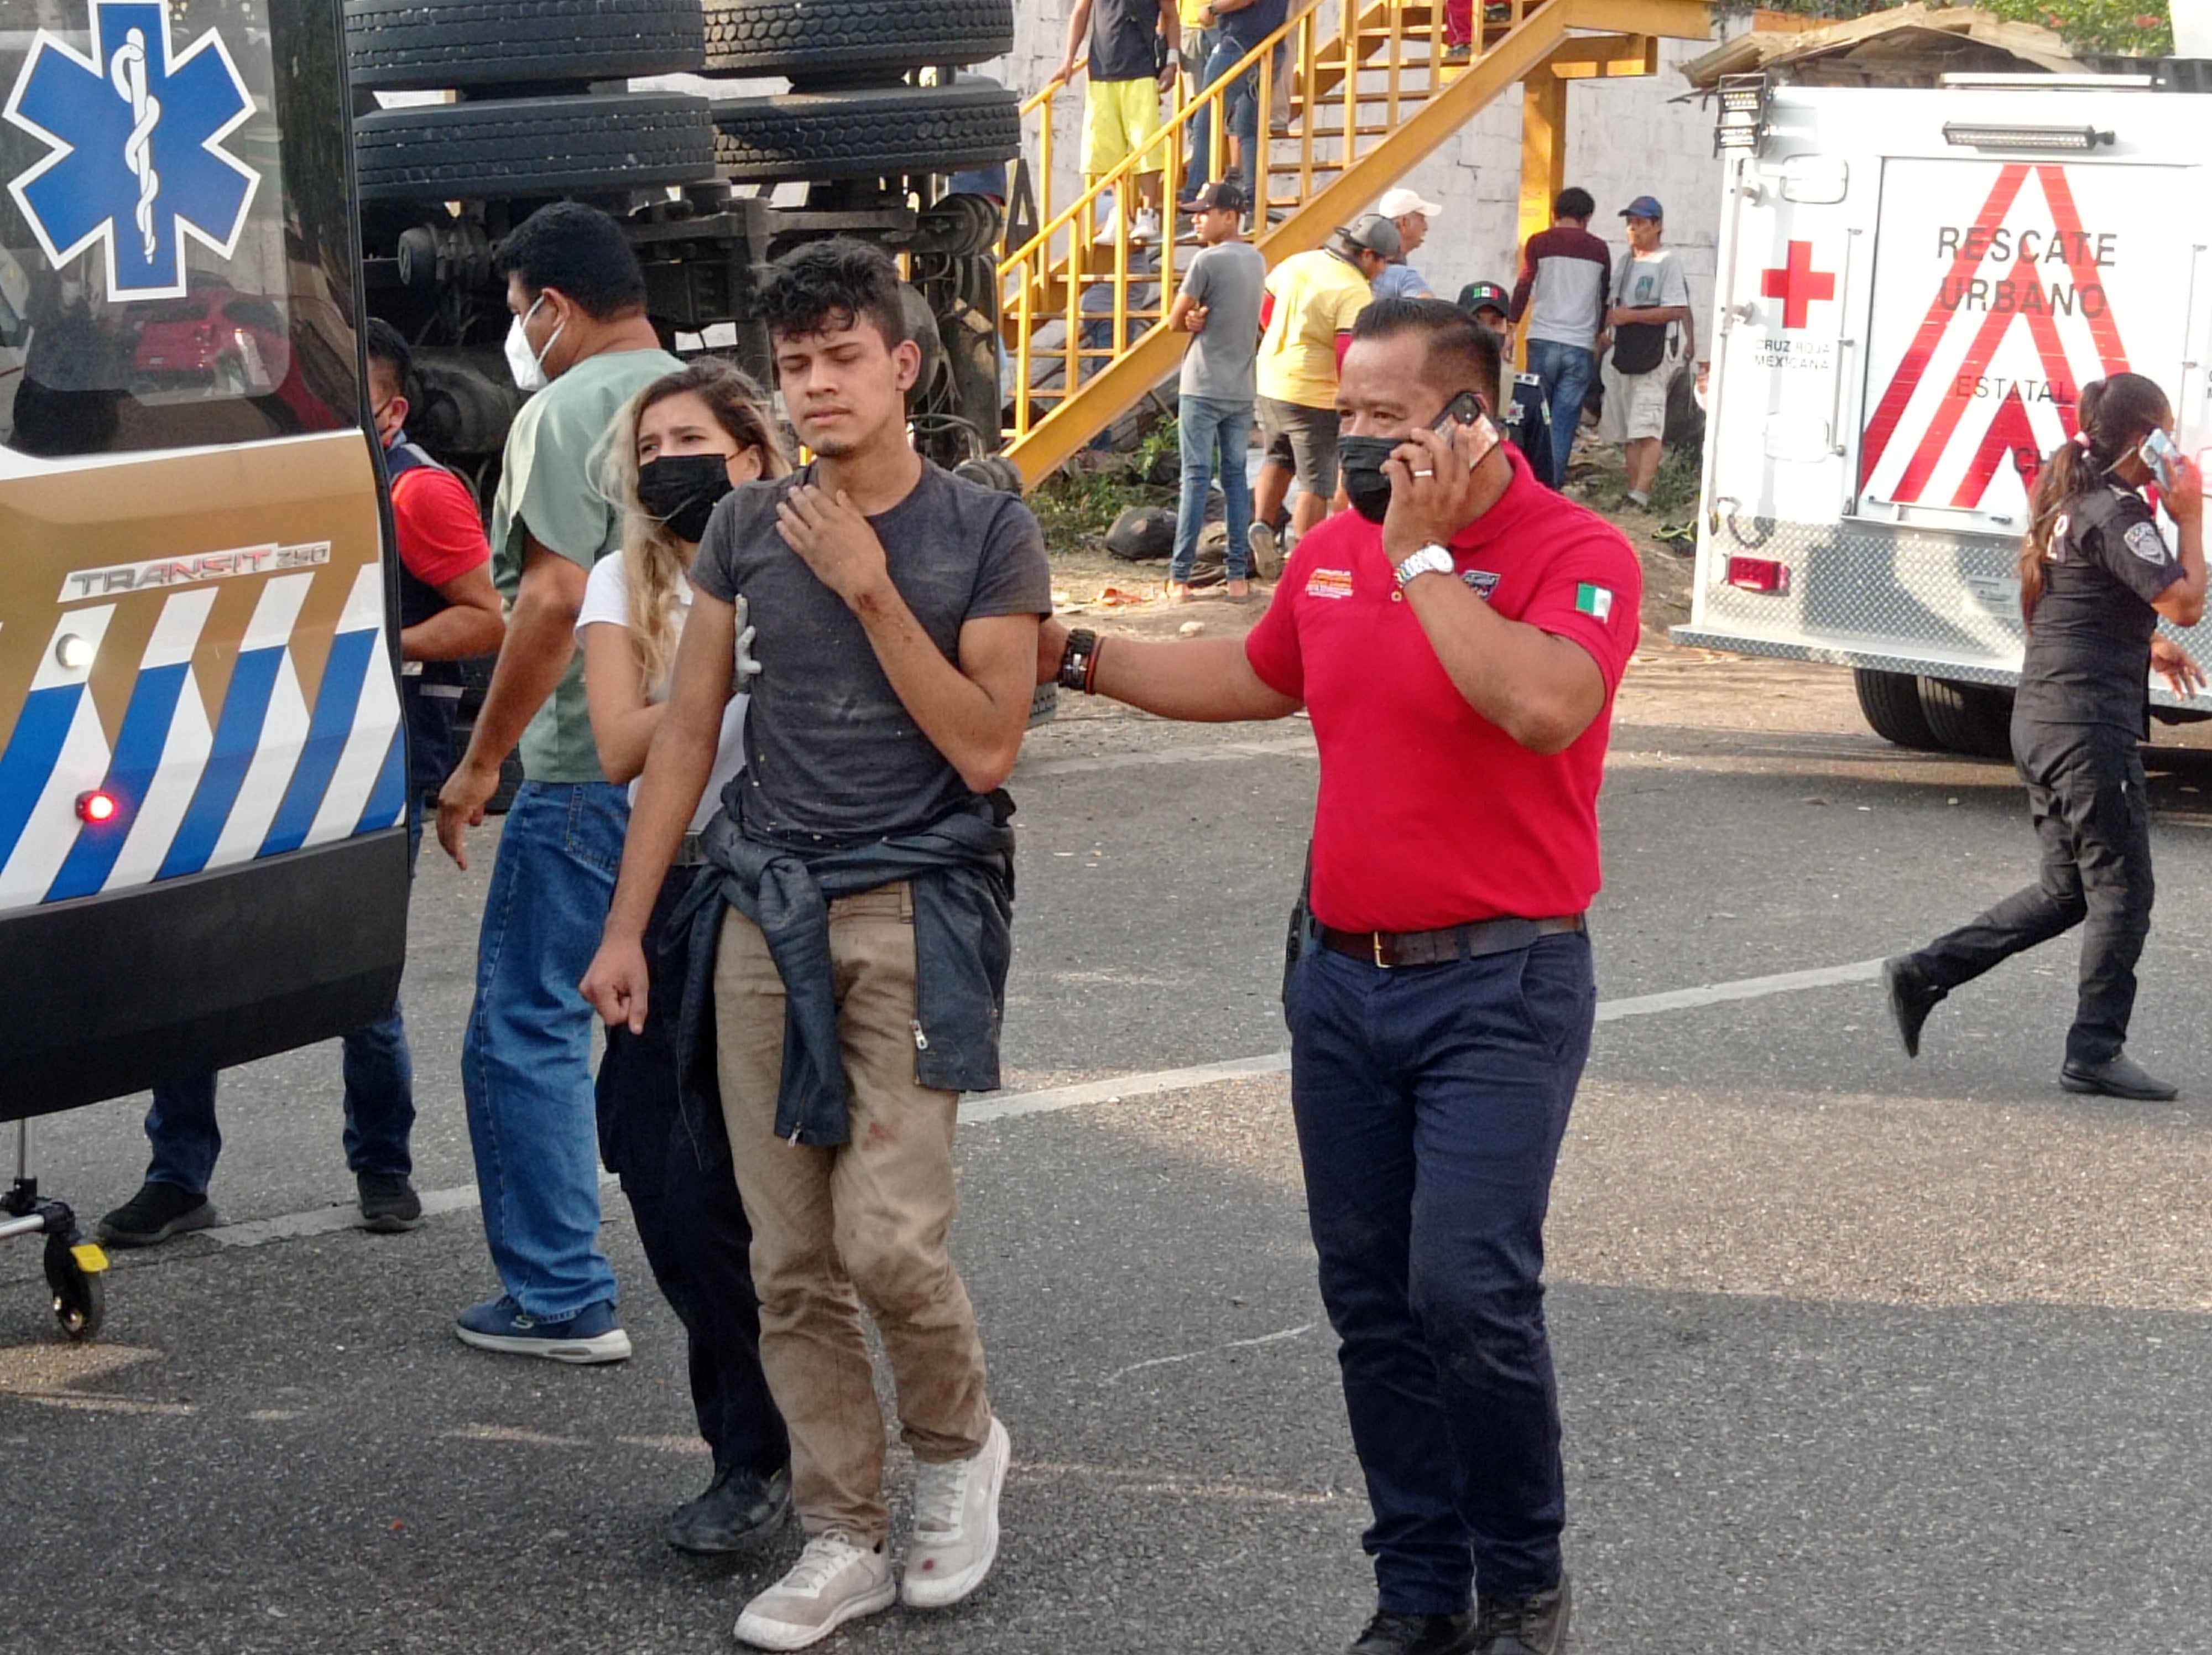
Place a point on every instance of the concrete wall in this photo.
(1626, 138)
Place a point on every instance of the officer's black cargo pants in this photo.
(2086, 794)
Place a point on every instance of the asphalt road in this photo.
(1855, 1353)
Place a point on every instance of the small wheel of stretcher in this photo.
(77, 1274)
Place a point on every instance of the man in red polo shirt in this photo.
(1459, 658)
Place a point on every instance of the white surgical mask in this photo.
(527, 365)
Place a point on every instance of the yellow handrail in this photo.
(1087, 261)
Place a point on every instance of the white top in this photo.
(606, 602)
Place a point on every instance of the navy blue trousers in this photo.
(673, 1155)
(1430, 1102)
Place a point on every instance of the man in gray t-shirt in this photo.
(832, 755)
(1220, 308)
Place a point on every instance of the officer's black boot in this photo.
(1912, 997)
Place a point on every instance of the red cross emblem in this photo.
(1797, 284)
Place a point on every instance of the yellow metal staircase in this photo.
(1345, 114)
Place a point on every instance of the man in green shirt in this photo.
(581, 342)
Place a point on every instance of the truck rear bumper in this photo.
(1692, 637)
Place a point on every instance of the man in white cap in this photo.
(1404, 209)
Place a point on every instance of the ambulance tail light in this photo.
(1758, 574)
(98, 807)
(1973, 135)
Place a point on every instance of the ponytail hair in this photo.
(2115, 415)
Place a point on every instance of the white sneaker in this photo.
(956, 1524)
(1147, 229)
(836, 1579)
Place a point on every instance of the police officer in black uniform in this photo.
(2096, 575)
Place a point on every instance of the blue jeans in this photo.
(1241, 106)
(379, 1070)
(1566, 371)
(526, 1057)
(1430, 1103)
(1207, 430)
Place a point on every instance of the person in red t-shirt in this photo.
(1457, 641)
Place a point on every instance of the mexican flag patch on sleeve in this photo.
(1594, 600)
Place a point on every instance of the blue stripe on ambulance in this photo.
(374, 726)
(31, 806)
(138, 756)
(254, 680)
(343, 674)
(235, 736)
(143, 745)
(387, 799)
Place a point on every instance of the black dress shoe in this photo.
(1416, 1635)
(1912, 997)
(2120, 1076)
(739, 1510)
(1524, 1626)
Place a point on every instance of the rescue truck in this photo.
(1912, 287)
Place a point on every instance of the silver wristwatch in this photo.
(1431, 559)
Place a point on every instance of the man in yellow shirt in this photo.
(1312, 299)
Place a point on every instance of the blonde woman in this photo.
(682, 444)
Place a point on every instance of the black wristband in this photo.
(1076, 659)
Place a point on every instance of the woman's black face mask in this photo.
(680, 491)
(1365, 480)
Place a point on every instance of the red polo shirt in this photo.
(1429, 815)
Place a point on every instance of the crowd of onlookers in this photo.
(1597, 330)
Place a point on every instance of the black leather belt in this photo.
(1471, 942)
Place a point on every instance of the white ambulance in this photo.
(1913, 285)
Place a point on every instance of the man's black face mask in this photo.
(1365, 480)
(1362, 457)
(682, 490)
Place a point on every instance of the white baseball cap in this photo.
(1396, 203)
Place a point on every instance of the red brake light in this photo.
(97, 807)
(1758, 574)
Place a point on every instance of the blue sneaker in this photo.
(591, 1335)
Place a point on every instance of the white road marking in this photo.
(1276, 1337)
(1300, 745)
(1007, 1106)
(1750, 988)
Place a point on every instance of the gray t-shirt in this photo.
(832, 756)
(1228, 279)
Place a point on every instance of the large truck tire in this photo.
(844, 42)
(1972, 719)
(1891, 702)
(396, 46)
(604, 144)
(873, 133)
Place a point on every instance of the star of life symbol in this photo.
(136, 132)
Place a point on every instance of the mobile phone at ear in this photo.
(1468, 407)
(2159, 452)
(1464, 409)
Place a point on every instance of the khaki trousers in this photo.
(862, 1223)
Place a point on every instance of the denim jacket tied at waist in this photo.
(961, 868)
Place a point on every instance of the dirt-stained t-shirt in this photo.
(832, 756)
